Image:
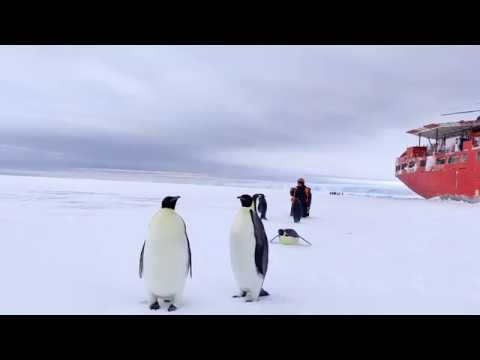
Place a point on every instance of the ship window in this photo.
(423, 163)
(404, 165)
(452, 159)
(440, 161)
(397, 167)
(411, 164)
(463, 158)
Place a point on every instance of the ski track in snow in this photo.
(71, 246)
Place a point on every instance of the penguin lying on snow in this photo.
(166, 258)
(262, 205)
(289, 237)
(249, 251)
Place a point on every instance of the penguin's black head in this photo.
(246, 200)
(169, 202)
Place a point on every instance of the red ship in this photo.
(448, 166)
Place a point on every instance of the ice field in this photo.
(71, 246)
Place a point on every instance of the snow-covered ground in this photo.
(71, 246)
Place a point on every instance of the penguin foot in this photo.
(172, 308)
(155, 306)
(250, 298)
(243, 294)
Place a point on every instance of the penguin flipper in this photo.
(140, 265)
(263, 293)
(189, 251)
(261, 245)
(274, 238)
(308, 242)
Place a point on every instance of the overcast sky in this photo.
(227, 110)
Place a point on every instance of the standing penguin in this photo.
(248, 251)
(296, 210)
(262, 206)
(166, 258)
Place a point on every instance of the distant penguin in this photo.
(166, 258)
(248, 251)
(254, 203)
(297, 210)
(262, 206)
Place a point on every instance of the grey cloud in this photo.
(178, 107)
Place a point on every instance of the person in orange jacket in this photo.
(304, 194)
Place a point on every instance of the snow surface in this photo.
(71, 246)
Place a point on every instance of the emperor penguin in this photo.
(296, 210)
(166, 258)
(262, 206)
(248, 251)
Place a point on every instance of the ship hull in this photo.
(459, 180)
(444, 184)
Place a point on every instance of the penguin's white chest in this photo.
(242, 252)
(166, 255)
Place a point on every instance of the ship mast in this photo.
(460, 112)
